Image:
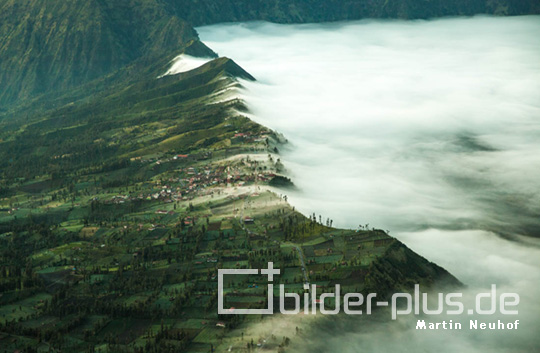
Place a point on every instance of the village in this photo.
(137, 264)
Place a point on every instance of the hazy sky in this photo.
(430, 129)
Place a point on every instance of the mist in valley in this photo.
(427, 129)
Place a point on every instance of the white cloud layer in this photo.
(430, 129)
(185, 63)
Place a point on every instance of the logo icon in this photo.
(269, 272)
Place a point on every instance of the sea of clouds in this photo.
(428, 129)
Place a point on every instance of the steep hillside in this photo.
(150, 116)
(55, 45)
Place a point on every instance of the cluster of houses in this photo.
(249, 137)
(192, 182)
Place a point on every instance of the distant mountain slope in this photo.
(201, 12)
(56, 45)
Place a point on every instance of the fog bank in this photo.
(428, 129)
(184, 63)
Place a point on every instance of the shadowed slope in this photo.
(50, 46)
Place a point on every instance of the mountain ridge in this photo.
(206, 12)
(53, 47)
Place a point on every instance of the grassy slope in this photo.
(134, 120)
